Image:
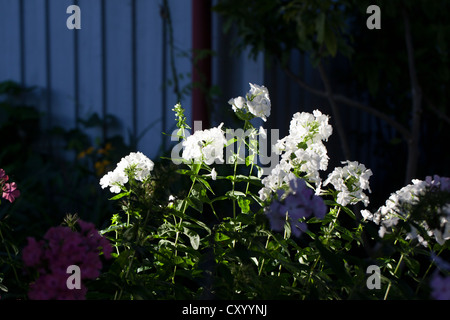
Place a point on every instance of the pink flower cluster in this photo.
(10, 191)
(61, 248)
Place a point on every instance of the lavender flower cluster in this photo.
(295, 205)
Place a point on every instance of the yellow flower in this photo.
(100, 166)
(86, 152)
(105, 150)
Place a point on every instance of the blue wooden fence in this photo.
(117, 63)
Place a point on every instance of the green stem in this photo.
(233, 183)
(284, 237)
(333, 223)
(179, 225)
(249, 175)
(213, 210)
(9, 256)
(311, 272)
(395, 272)
(264, 259)
(117, 238)
(327, 235)
(176, 251)
(427, 271)
(126, 276)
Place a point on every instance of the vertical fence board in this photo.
(101, 68)
(90, 82)
(10, 59)
(35, 52)
(181, 14)
(62, 58)
(119, 64)
(148, 76)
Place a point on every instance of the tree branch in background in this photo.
(335, 111)
(352, 103)
(436, 111)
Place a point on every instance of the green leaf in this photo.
(206, 184)
(194, 238)
(196, 168)
(231, 141)
(287, 229)
(113, 228)
(413, 265)
(235, 194)
(257, 199)
(242, 178)
(120, 195)
(249, 159)
(199, 193)
(198, 224)
(244, 204)
(330, 40)
(221, 237)
(219, 198)
(120, 262)
(349, 212)
(185, 172)
(195, 203)
(335, 261)
(3, 288)
(320, 27)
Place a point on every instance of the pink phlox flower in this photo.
(3, 176)
(91, 266)
(107, 247)
(95, 238)
(10, 191)
(32, 254)
(61, 248)
(53, 287)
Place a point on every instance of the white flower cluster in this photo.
(396, 207)
(205, 145)
(301, 151)
(278, 177)
(350, 181)
(257, 102)
(135, 163)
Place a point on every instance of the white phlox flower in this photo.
(114, 179)
(303, 150)
(139, 163)
(213, 174)
(398, 204)
(205, 145)
(256, 102)
(135, 163)
(350, 181)
(237, 103)
(279, 176)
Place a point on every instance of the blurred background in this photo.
(74, 101)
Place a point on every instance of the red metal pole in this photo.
(201, 68)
